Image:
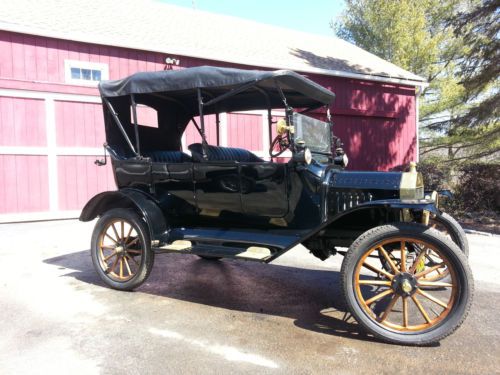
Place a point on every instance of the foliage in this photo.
(479, 123)
(453, 44)
(475, 185)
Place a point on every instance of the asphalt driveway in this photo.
(202, 317)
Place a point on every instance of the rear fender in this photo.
(127, 198)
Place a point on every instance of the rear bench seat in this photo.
(168, 156)
(216, 153)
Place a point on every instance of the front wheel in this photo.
(405, 304)
(121, 249)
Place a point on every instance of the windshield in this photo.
(315, 133)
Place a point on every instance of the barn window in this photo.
(85, 72)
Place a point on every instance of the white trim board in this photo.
(28, 94)
(38, 216)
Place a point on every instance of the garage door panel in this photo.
(80, 179)
(79, 124)
(22, 122)
(23, 184)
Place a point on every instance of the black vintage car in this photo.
(405, 276)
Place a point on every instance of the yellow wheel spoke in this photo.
(417, 260)
(115, 232)
(429, 270)
(432, 298)
(112, 268)
(121, 267)
(435, 284)
(132, 242)
(403, 256)
(421, 308)
(378, 296)
(405, 312)
(109, 257)
(134, 261)
(111, 238)
(375, 282)
(133, 251)
(388, 259)
(128, 234)
(378, 271)
(128, 266)
(388, 309)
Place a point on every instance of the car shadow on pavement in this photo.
(311, 297)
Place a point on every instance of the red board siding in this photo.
(244, 131)
(80, 179)
(23, 184)
(193, 136)
(376, 121)
(79, 124)
(22, 122)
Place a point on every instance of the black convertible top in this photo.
(174, 95)
(214, 81)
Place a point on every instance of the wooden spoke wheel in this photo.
(448, 227)
(121, 249)
(407, 303)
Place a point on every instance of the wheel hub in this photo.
(404, 284)
(120, 249)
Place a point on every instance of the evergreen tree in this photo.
(434, 39)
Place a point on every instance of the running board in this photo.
(273, 239)
(255, 253)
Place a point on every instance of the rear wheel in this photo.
(121, 249)
(396, 305)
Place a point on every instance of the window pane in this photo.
(75, 73)
(146, 116)
(86, 74)
(96, 75)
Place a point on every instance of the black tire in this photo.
(453, 229)
(354, 287)
(209, 257)
(130, 244)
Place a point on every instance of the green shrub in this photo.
(476, 186)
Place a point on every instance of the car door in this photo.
(264, 189)
(217, 187)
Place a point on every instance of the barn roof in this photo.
(154, 26)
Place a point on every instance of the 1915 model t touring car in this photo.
(403, 280)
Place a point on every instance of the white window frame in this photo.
(68, 64)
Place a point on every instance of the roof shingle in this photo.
(154, 26)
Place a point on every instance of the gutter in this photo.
(99, 40)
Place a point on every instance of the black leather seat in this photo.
(167, 156)
(216, 153)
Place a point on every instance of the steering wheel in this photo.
(280, 144)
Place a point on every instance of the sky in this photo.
(312, 16)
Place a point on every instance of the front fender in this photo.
(127, 198)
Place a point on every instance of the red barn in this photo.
(53, 53)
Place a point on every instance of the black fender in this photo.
(141, 202)
(418, 205)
